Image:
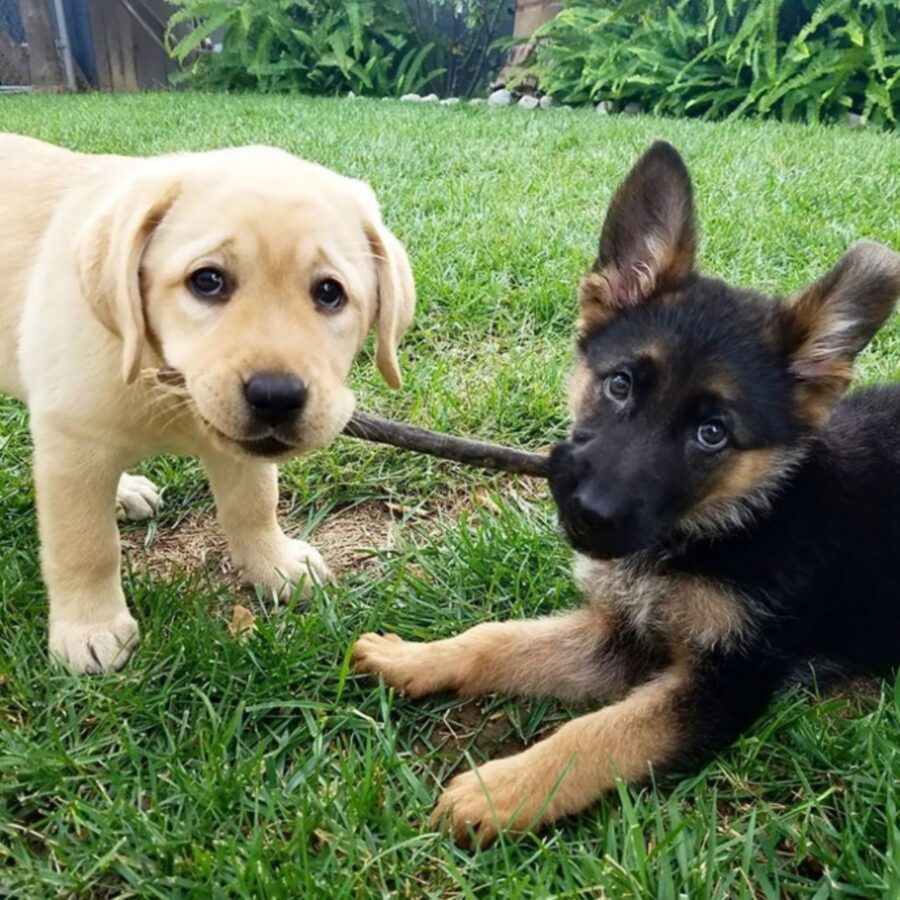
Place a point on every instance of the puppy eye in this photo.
(618, 386)
(209, 283)
(712, 435)
(329, 295)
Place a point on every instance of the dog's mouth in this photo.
(268, 446)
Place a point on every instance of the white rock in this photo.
(477, 101)
(430, 98)
(547, 102)
(529, 102)
(565, 106)
(632, 109)
(855, 120)
(449, 101)
(350, 95)
(500, 98)
(604, 108)
(411, 98)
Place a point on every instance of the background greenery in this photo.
(374, 47)
(211, 767)
(814, 60)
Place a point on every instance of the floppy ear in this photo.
(396, 299)
(648, 243)
(831, 321)
(108, 252)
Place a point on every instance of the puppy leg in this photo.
(91, 629)
(680, 716)
(575, 657)
(246, 495)
(137, 498)
(567, 771)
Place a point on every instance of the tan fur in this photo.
(582, 385)
(554, 656)
(742, 474)
(562, 657)
(94, 255)
(568, 771)
(833, 319)
(687, 611)
(595, 302)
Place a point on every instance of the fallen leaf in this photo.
(485, 501)
(242, 623)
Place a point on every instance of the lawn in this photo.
(215, 766)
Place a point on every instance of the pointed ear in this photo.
(396, 299)
(831, 321)
(108, 252)
(648, 243)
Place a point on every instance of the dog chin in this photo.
(604, 551)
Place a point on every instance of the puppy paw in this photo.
(406, 666)
(292, 563)
(502, 795)
(95, 647)
(137, 498)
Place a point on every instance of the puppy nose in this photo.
(275, 398)
(596, 511)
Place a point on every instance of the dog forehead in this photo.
(715, 346)
(248, 219)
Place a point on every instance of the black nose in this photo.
(595, 511)
(275, 398)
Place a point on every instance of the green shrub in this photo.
(792, 59)
(374, 47)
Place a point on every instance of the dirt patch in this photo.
(468, 726)
(479, 728)
(353, 538)
(350, 539)
(194, 545)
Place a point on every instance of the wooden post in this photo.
(530, 15)
(43, 60)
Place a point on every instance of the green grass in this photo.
(216, 768)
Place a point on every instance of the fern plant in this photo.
(311, 45)
(377, 47)
(792, 59)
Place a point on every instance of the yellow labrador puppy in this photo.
(254, 274)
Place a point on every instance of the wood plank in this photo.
(43, 59)
(127, 48)
(102, 62)
(14, 61)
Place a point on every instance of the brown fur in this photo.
(689, 612)
(552, 656)
(568, 771)
(745, 472)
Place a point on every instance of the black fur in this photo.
(804, 533)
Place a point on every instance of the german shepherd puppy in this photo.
(735, 522)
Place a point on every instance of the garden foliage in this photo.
(370, 47)
(812, 60)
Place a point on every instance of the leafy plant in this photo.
(792, 59)
(377, 47)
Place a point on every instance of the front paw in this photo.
(289, 564)
(512, 794)
(137, 498)
(406, 666)
(94, 647)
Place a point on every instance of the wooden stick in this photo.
(462, 450)
(422, 440)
